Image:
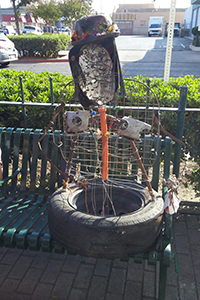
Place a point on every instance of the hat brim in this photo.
(93, 39)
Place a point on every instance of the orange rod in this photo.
(102, 112)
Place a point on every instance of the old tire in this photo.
(110, 236)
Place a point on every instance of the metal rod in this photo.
(147, 102)
(52, 99)
(52, 96)
(179, 129)
(23, 103)
(141, 108)
(102, 111)
(71, 153)
(139, 161)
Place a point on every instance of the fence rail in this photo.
(142, 108)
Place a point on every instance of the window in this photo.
(124, 24)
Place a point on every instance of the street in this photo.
(138, 55)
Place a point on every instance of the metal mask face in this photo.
(96, 81)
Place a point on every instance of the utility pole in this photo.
(170, 35)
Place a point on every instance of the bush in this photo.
(45, 45)
(36, 88)
(196, 33)
(195, 30)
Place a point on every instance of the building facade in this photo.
(8, 18)
(134, 18)
(192, 17)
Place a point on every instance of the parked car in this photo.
(55, 30)
(8, 29)
(32, 29)
(66, 30)
(176, 29)
(8, 52)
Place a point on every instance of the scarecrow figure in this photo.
(94, 61)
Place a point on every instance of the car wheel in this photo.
(5, 64)
(134, 228)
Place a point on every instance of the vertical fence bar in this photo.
(52, 99)
(23, 105)
(52, 96)
(156, 165)
(147, 102)
(179, 128)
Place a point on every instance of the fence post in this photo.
(52, 99)
(147, 102)
(179, 128)
(52, 96)
(23, 105)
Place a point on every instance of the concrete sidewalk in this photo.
(63, 57)
(27, 275)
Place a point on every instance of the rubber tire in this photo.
(104, 237)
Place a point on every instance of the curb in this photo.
(193, 48)
(40, 60)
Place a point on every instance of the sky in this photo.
(107, 6)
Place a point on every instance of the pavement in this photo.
(29, 275)
(124, 55)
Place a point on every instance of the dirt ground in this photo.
(187, 193)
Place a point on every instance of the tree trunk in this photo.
(16, 16)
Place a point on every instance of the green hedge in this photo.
(45, 45)
(37, 89)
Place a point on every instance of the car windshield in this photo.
(3, 37)
(29, 27)
(155, 26)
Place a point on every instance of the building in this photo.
(134, 18)
(192, 17)
(8, 18)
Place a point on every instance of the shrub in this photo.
(36, 88)
(195, 30)
(196, 33)
(45, 45)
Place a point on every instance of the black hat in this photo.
(89, 28)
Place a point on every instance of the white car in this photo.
(31, 29)
(8, 29)
(8, 52)
(66, 30)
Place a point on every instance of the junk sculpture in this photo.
(89, 215)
